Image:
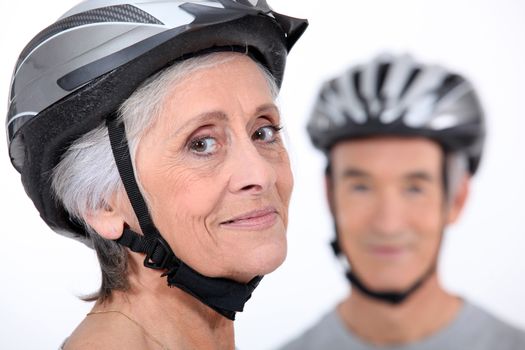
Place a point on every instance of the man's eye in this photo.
(203, 146)
(414, 189)
(360, 188)
(266, 134)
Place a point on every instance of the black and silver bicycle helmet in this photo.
(77, 71)
(395, 95)
(74, 75)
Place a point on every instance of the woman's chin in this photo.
(271, 261)
(258, 263)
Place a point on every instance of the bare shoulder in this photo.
(105, 333)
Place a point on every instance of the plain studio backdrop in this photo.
(43, 273)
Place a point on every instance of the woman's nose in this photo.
(251, 172)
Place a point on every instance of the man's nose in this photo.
(389, 216)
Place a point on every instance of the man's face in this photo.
(389, 203)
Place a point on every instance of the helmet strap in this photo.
(223, 295)
(390, 297)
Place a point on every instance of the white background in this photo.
(42, 273)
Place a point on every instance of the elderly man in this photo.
(402, 140)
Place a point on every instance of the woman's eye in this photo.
(266, 134)
(204, 146)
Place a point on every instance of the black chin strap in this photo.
(223, 295)
(394, 298)
(391, 297)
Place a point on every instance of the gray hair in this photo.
(456, 168)
(86, 178)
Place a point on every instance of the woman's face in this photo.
(216, 173)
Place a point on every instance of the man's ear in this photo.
(457, 202)
(107, 222)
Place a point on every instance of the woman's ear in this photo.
(458, 200)
(107, 222)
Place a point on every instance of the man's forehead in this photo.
(390, 154)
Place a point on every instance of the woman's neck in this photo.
(426, 311)
(171, 316)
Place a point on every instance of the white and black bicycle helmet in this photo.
(395, 95)
(74, 75)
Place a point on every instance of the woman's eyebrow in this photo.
(202, 118)
(218, 115)
(266, 108)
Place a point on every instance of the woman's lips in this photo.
(260, 219)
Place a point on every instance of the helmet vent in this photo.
(410, 80)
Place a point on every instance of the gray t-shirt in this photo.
(472, 329)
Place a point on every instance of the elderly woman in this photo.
(148, 131)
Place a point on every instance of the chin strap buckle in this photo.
(159, 255)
